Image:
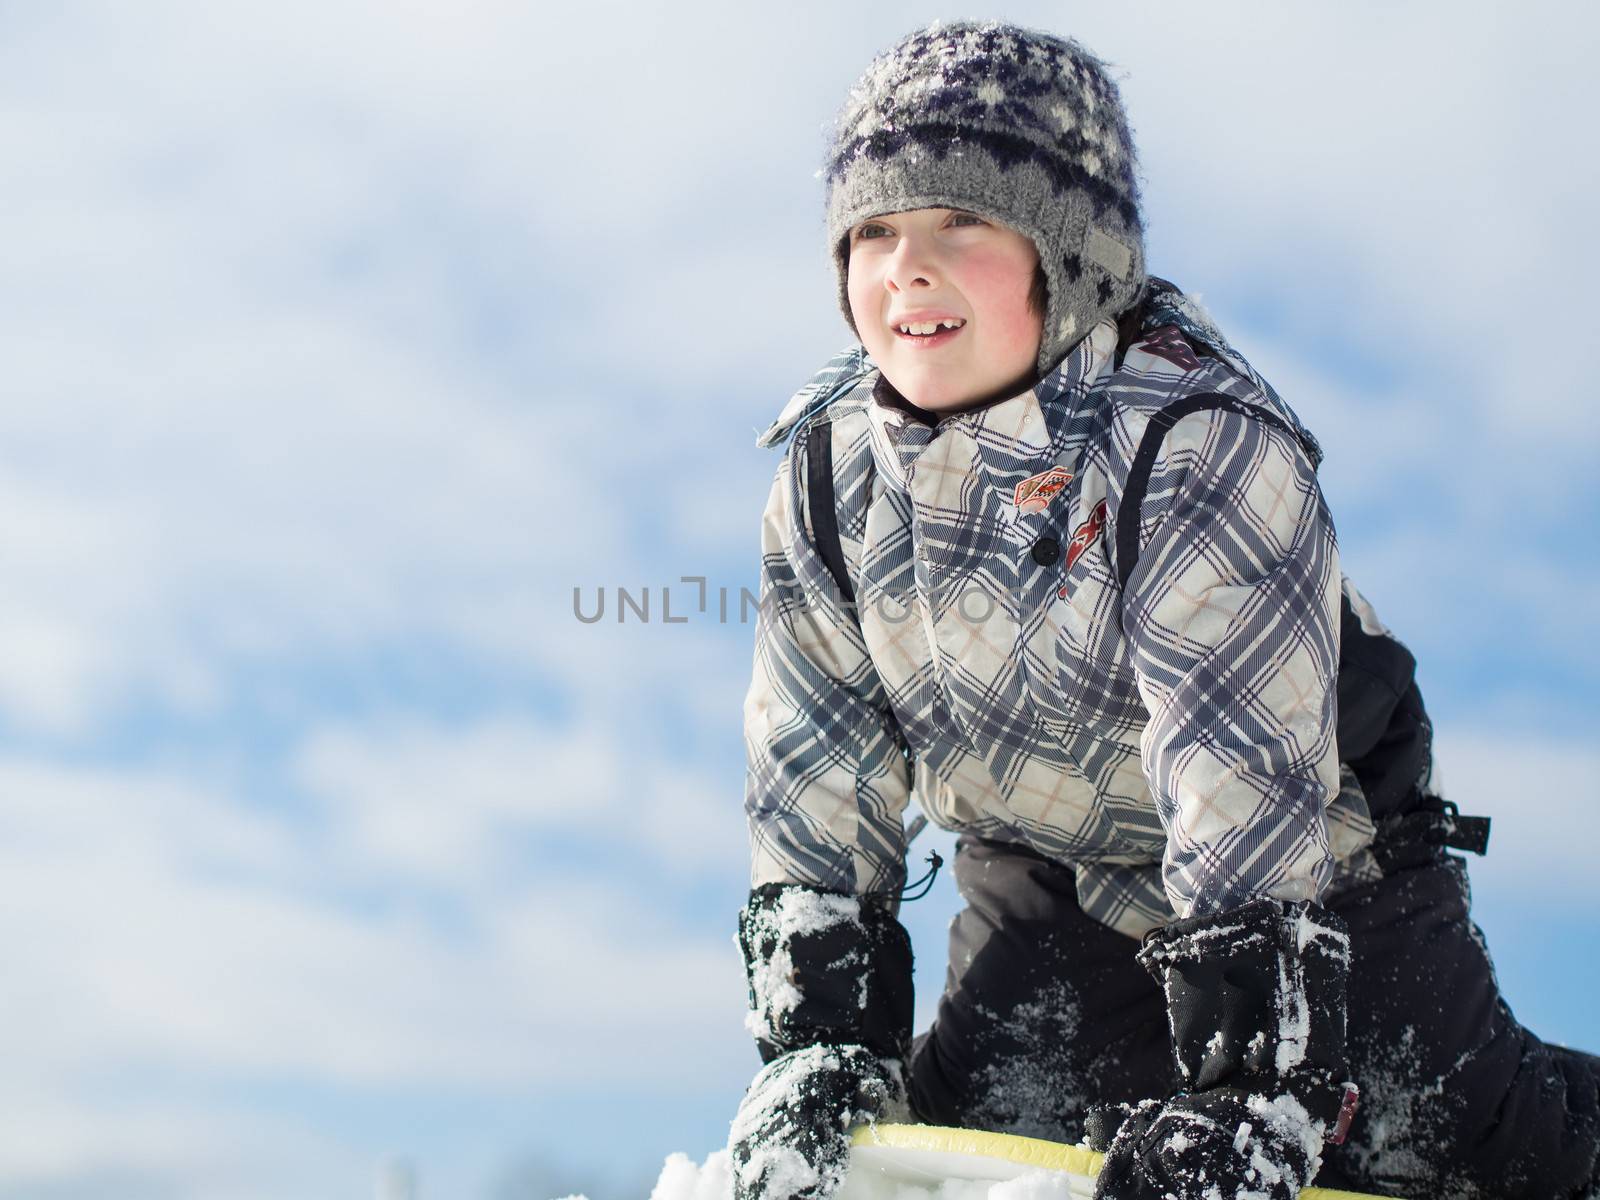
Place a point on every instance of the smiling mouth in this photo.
(941, 333)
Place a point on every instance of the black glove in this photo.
(1192, 1145)
(1256, 1002)
(830, 1006)
(791, 1139)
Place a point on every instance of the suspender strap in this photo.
(1127, 547)
(824, 516)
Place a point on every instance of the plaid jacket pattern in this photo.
(1172, 741)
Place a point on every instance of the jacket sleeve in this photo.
(1232, 615)
(827, 777)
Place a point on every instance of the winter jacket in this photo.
(1102, 618)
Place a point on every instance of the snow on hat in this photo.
(1018, 126)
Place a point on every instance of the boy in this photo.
(1047, 551)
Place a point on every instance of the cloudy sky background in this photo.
(339, 342)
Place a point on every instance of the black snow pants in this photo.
(1045, 1012)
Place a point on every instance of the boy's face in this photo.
(931, 263)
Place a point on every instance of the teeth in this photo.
(927, 327)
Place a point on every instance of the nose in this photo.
(911, 266)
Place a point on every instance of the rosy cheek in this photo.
(1004, 283)
(1008, 314)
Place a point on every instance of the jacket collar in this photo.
(1019, 427)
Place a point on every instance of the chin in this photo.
(942, 402)
(940, 396)
(928, 398)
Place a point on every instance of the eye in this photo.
(863, 232)
(966, 216)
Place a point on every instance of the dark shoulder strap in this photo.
(824, 514)
(1127, 544)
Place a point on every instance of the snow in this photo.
(1405, 1116)
(776, 995)
(797, 913)
(1309, 930)
(780, 1085)
(1294, 1014)
(681, 1179)
(801, 911)
(1290, 1119)
(1028, 1084)
(785, 1170)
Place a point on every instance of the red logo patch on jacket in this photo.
(1036, 491)
(1086, 534)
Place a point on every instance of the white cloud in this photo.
(1541, 793)
(447, 806)
(158, 924)
(1359, 148)
(80, 1144)
(152, 920)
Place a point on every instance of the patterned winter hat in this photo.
(1016, 125)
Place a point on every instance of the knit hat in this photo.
(1018, 126)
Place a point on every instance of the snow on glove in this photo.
(1216, 1143)
(791, 1138)
(830, 1007)
(1256, 1003)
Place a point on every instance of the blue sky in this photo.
(341, 342)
